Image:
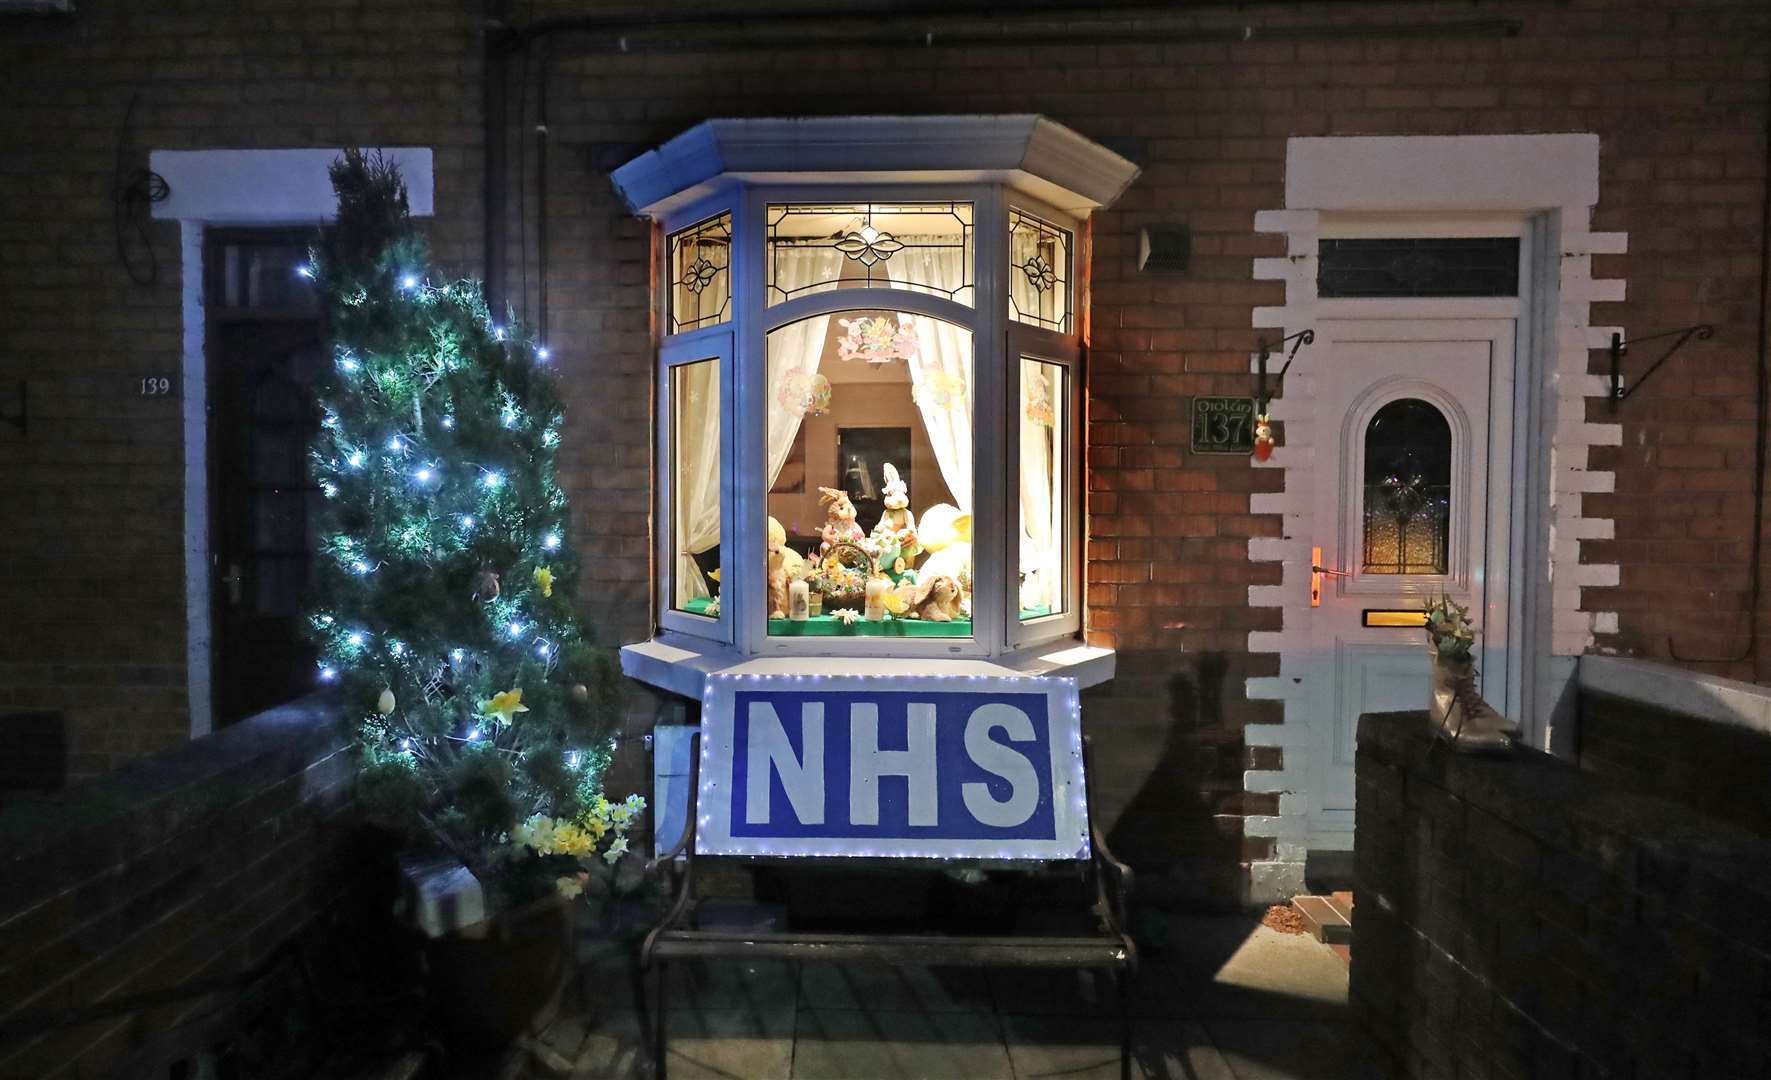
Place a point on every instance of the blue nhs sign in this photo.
(920, 766)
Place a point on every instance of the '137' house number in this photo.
(907, 766)
(1223, 425)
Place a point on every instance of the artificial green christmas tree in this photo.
(443, 586)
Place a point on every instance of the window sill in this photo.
(680, 665)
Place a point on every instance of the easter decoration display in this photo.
(1456, 710)
(441, 606)
(895, 535)
(839, 525)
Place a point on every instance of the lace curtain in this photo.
(941, 373)
(695, 413)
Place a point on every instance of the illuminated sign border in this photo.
(1069, 795)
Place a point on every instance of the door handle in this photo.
(233, 579)
(1317, 573)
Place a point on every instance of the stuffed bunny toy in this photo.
(896, 532)
(839, 524)
(934, 599)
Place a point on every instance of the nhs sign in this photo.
(921, 766)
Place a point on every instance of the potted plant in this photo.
(1455, 708)
(441, 606)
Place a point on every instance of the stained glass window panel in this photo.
(922, 247)
(1407, 525)
(700, 274)
(1039, 272)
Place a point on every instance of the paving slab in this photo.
(885, 988)
(849, 1044)
(1292, 1050)
(1087, 1048)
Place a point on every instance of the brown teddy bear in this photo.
(934, 599)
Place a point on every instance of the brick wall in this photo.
(194, 864)
(1520, 918)
(1675, 91)
(1716, 769)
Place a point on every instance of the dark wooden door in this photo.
(265, 351)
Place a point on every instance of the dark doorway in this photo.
(264, 353)
(861, 455)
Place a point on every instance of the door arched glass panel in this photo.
(1407, 526)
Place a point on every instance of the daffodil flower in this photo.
(505, 706)
(544, 579)
(616, 850)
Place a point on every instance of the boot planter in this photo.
(1458, 713)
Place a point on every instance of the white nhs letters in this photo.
(769, 753)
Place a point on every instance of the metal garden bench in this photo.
(1108, 947)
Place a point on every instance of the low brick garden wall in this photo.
(1695, 739)
(1519, 917)
(192, 866)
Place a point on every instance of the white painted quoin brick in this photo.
(1550, 178)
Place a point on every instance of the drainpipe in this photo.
(494, 104)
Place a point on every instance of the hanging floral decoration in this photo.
(794, 392)
(940, 390)
(1039, 406)
(806, 395)
(878, 340)
(818, 401)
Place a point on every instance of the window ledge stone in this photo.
(680, 665)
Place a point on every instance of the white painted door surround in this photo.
(1546, 185)
(249, 188)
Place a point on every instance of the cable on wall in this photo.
(135, 190)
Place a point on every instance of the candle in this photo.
(799, 601)
(876, 592)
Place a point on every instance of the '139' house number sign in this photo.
(902, 766)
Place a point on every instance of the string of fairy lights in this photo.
(432, 505)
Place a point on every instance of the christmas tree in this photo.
(442, 601)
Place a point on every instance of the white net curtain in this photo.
(695, 404)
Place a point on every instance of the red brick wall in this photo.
(193, 866)
(1676, 92)
(92, 618)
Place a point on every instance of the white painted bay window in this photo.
(870, 395)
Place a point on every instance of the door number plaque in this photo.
(1223, 425)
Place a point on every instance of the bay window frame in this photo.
(998, 345)
(679, 350)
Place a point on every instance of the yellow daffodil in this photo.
(505, 706)
(569, 839)
(597, 827)
(616, 850)
(895, 603)
(544, 579)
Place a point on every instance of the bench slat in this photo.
(1104, 952)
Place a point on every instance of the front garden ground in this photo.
(1227, 999)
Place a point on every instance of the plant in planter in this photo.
(1456, 710)
(442, 592)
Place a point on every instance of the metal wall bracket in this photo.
(1262, 396)
(1702, 332)
(22, 420)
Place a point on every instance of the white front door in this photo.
(1413, 500)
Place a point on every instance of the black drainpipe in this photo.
(493, 105)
